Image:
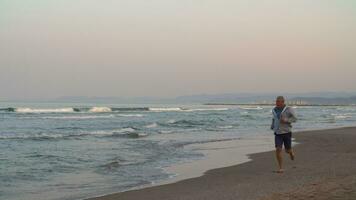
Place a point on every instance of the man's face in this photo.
(279, 103)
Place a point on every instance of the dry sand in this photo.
(324, 169)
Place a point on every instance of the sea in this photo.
(60, 151)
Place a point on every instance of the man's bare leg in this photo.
(279, 159)
(291, 153)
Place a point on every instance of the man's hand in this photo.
(284, 121)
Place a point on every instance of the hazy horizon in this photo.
(242, 97)
(170, 48)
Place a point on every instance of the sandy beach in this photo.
(324, 169)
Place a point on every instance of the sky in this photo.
(168, 48)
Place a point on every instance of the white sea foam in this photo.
(142, 134)
(165, 131)
(130, 115)
(100, 109)
(225, 127)
(206, 109)
(165, 109)
(35, 136)
(341, 116)
(108, 109)
(80, 117)
(44, 110)
(129, 132)
(125, 130)
(171, 121)
(177, 109)
(101, 133)
(251, 107)
(154, 125)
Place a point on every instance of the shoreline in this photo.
(212, 152)
(215, 156)
(197, 171)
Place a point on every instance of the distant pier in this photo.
(272, 104)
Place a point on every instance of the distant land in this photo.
(326, 101)
(269, 98)
(308, 101)
(313, 98)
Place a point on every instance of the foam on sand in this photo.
(218, 154)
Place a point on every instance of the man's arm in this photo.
(272, 125)
(292, 116)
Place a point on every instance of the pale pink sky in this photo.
(175, 47)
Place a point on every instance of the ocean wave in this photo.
(80, 117)
(42, 136)
(251, 107)
(111, 165)
(226, 127)
(205, 109)
(341, 116)
(165, 109)
(131, 135)
(100, 109)
(130, 115)
(116, 163)
(178, 109)
(154, 125)
(165, 131)
(130, 109)
(43, 110)
(124, 132)
(34, 137)
(128, 133)
(171, 121)
(73, 109)
(104, 133)
(183, 123)
(7, 109)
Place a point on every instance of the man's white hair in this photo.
(280, 98)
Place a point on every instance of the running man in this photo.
(283, 117)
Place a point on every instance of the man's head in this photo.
(280, 101)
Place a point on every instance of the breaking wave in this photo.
(48, 110)
(165, 109)
(98, 109)
(123, 132)
(251, 107)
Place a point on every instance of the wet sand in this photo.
(324, 169)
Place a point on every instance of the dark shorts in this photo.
(283, 139)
